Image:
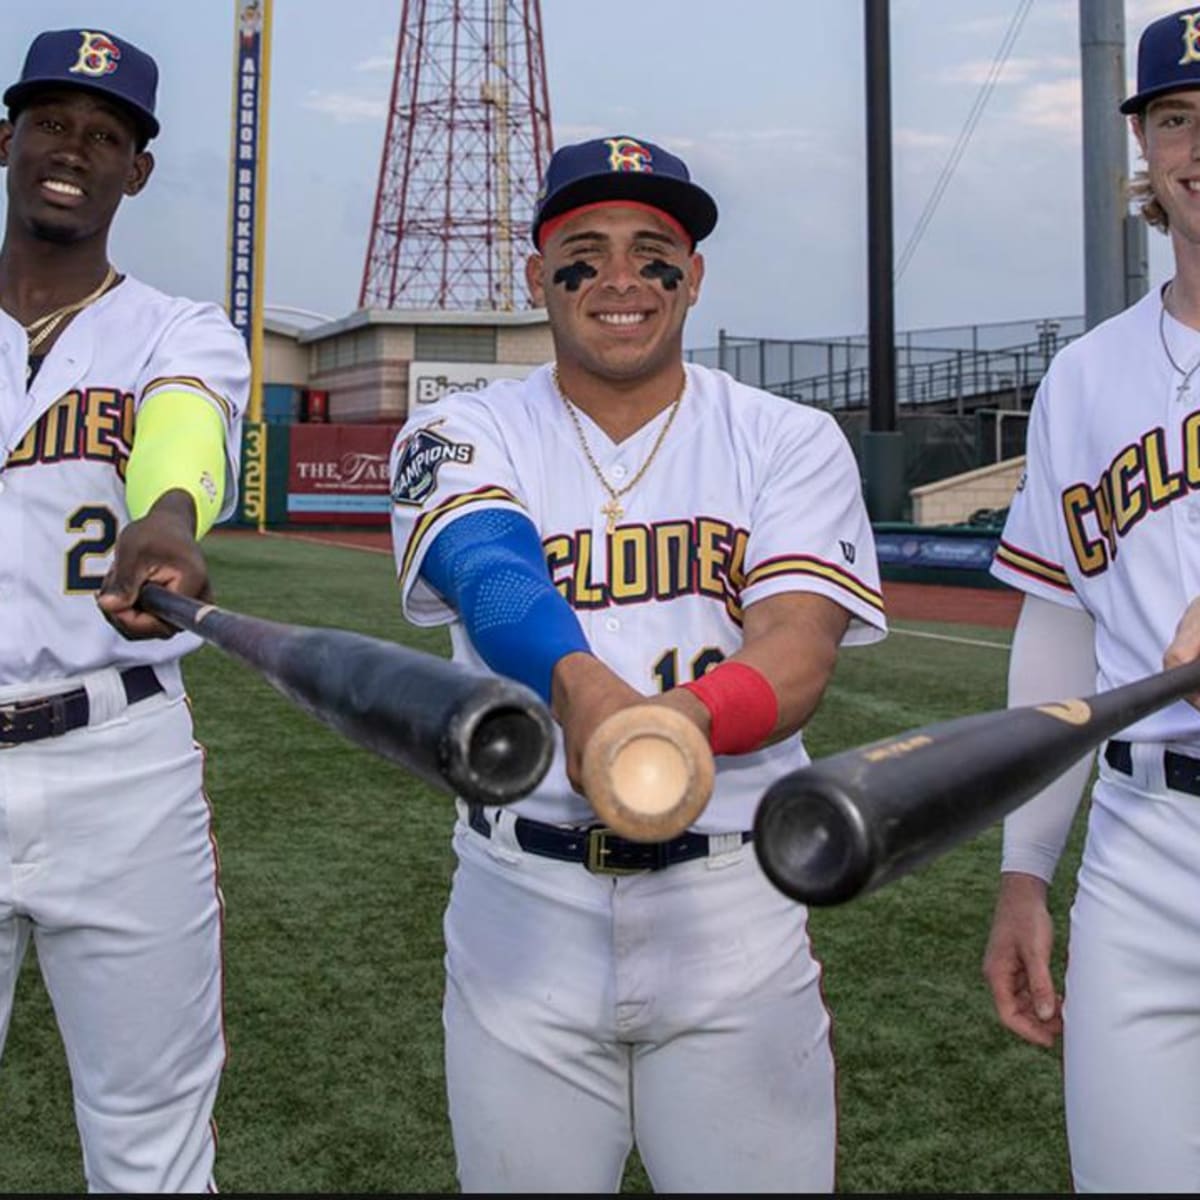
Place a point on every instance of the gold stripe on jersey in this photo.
(1031, 565)
(425, 522)
(806, 564)
(190, 381)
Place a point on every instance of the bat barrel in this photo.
(485, 738)
(497, 745)
(812, 840)
(852, 822)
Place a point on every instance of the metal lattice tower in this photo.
(468, 138)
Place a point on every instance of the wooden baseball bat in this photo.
(477, 735)
(847, 824)
(648, 772)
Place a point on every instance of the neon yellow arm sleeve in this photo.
(179, 442)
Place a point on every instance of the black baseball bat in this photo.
(480, 736)
(847, 824)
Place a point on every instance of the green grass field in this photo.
(335, 868)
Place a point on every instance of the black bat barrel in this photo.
(849, 823)
(480, 736)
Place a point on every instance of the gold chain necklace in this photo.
(612, 510)
(40, 328)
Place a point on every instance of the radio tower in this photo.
(468, 137)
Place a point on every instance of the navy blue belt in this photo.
(52, 716)
(1181, 773)
(598, 848)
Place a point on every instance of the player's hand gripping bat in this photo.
(849, 823)
(485, 738)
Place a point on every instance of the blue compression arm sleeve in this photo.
(490, 566)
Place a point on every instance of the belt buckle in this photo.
(598, 851)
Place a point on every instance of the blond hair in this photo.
(1142, 197)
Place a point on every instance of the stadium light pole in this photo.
(883, 444)
(1115, 272)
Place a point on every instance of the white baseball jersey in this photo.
(1107, 515)
(107, 862)
(749, 495)
(1108, 519)
(65, 444)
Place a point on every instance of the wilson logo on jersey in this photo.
(96, 425)
(420, 458)
(97, 55)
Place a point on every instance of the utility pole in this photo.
(883, 444)
(1114, 259)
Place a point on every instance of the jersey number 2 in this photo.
(84, 520)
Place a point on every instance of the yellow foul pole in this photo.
(247, 219)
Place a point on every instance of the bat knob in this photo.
(648, 772)
(812, 842)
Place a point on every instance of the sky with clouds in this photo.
(765, 99)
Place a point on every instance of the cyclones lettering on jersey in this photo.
(652, 562)
(1137, 481)
(659, 561)
(95, 424)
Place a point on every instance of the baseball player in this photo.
(120, 410)
(1103, 538)
(623, 528)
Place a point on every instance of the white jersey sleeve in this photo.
(199, 351)
(1033, 552)
(809, 529)
(443, 464)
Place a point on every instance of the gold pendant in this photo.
(613, 511)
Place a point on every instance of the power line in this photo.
(973, 117)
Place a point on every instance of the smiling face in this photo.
(617, 282)
(71, 157)
(1168, 132)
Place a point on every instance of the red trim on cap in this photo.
(554, 222)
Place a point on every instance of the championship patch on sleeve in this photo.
(420, 458)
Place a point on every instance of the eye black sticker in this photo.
(574, 274)
(670, 277)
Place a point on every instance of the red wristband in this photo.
(743, 706)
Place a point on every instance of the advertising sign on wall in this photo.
(338, 474)
(428, 382)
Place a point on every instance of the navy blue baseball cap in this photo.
(96, 62)
(623, 168)
(1168, 58)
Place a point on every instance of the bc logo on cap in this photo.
(97, 55)
(1191, 37)
(627, 155)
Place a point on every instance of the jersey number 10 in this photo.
(666, 670)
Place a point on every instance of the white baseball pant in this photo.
(679, 1008)
(1131, 1016)
(108, 864)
